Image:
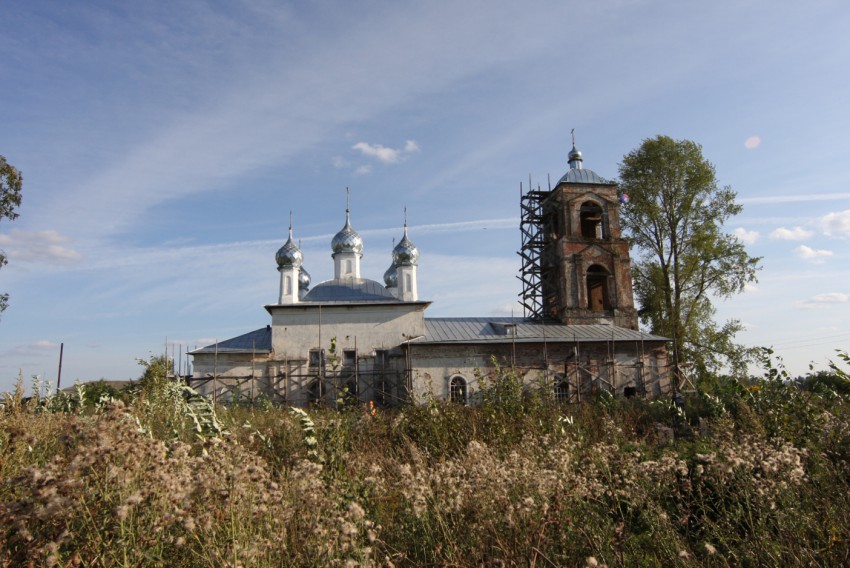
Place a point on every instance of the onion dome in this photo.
(289, 255)
(405, 253)
(575, 158)
(391, 276)
(303, 279)
(347, 239)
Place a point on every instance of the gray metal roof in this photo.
(258, 341)
(500, 330)
(349, 290)
(581, 175)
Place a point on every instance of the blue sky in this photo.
(164, 144)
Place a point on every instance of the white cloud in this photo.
(745, 236)
(795, 234)
(362, 170)
(807, 253)
(381, 153)
(823, 301)
(750, 288)
(836, 223)
(384, 154)
(38, 246)
(339, 162)
(752, 142)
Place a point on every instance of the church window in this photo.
(457, 390)
(562, 389)
(349, 358)
(591, 221)
(347, 267)
(315, 359)
(287, 286)
(598, 298)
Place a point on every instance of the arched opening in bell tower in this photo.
(592, 226)
(598, 298)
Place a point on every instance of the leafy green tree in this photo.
(675, 218)
(11, 182)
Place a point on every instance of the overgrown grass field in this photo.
(758, 474)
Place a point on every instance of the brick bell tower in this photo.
(576, 266)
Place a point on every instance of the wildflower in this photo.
(357, 512)
(709, 549)
(591, 562)
(684, 554)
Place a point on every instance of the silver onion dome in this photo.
(347, 239)
(391, 276)
(289, 255)
(405, 252)
(575, 158)
(303, 279)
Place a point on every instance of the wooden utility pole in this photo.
(59, 374)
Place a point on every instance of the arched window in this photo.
(591, 221)
(457, 389)
(562, 389)
(598, 299)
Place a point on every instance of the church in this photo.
(353, 339)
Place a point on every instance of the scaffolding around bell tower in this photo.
(538, 277)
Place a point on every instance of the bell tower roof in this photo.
(577, 173)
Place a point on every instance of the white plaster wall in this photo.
(296, 329)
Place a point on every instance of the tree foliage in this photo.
(11, 182)
(685, 259)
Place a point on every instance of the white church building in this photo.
(352, 338)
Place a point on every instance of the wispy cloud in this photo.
(823, 301)
(809, 254)
(745, 236)
(795, 234)
(836, 223)
(234, 127)
(752, 142)
(795, 198)
(37, 348)
(38, 247)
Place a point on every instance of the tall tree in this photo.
(11, 182)
(675, 218)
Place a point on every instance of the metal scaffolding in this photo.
(537, 276)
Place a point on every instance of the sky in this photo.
(164, 144)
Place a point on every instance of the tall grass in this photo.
(758, 474)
